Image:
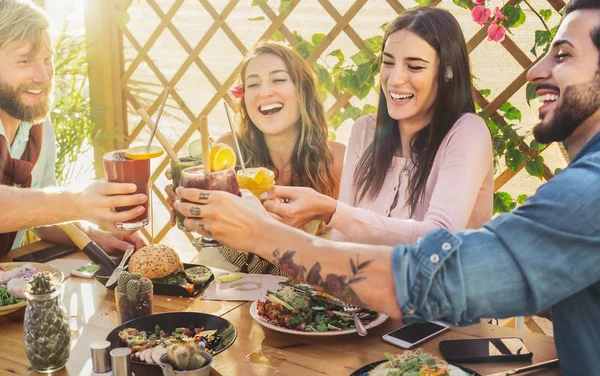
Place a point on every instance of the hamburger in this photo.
(158, 262)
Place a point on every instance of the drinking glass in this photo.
(120, 169)
(256, 179)
(185, 161)
(224, 180)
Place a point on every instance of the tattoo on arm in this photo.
(204, 196)
(194, 210)
(333, 284)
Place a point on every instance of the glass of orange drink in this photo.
(256, 179)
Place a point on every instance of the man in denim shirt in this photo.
(544, 254)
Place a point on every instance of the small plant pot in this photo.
(133, 306)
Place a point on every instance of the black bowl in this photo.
(171, 321)
(102, 276)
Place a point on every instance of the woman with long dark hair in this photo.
(425, 160)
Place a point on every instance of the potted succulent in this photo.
(46, 325)
(133, 296)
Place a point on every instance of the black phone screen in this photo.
(485, 349)
(47, 254)
(415, 332)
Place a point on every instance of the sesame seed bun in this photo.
(154, 261)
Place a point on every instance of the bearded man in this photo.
(28, 151)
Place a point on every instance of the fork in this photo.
(353, 310)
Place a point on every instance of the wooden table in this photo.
(257, 350)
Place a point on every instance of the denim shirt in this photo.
(546, 253)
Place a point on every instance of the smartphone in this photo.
(47, 254)
(412, 335)
(86, 271)
(485, 350)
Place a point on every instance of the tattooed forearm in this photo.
(333, 284)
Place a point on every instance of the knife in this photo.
(87, 245)
(115, 275)
(516, 371)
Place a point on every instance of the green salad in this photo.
(302, 311)
(8, 299)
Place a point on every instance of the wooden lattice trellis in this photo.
(110, 82)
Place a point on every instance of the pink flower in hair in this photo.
(481, 14)
(496, 32)
(237, 91)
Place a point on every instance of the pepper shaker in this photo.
(121, 361)
(101, 358)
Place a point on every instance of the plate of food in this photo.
(161, 264)
(150, 337)
(297, 311)
(13, 280)
(412, 363)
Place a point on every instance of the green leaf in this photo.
(304, 48)
(515, 16)
(363, 56)
(535, 167)
(259, 2)
(462, 3)
(350, 113)
(557, 170)
(485, 92)
(374, 44)
(317, 38)
(499, 146)
(384, 26)
(278, 37)
(368, 109)
(534, 145)
(285, 7)
(513, 158)
(521, 198)
(424, 3)
(366, 71)
(530, 93)
(260, 18)
(510, 111)
(546, 13)
(503, 202)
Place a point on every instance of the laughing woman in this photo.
(424, 161)
(282, 127)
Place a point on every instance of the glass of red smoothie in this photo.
(120, 169)
(224, 180)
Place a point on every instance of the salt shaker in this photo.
(101, 358)
(121, 361)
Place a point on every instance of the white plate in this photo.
(5, 310)
(262, 321)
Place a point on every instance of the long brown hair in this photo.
(312, 160)
(453, 98)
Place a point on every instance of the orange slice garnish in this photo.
(222, 157)
(144, 152)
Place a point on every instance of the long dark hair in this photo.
(442, 32)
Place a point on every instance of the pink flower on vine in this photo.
(237, 91)
(498, 16)
(496, 32)
(481, 14)
(479, 1)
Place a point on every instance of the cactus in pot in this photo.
(46, 325)
(134, 296)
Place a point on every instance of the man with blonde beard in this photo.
(28, 151)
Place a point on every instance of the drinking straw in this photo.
(160, 111)
(161, 138)
(204, 138)
(237, 145)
